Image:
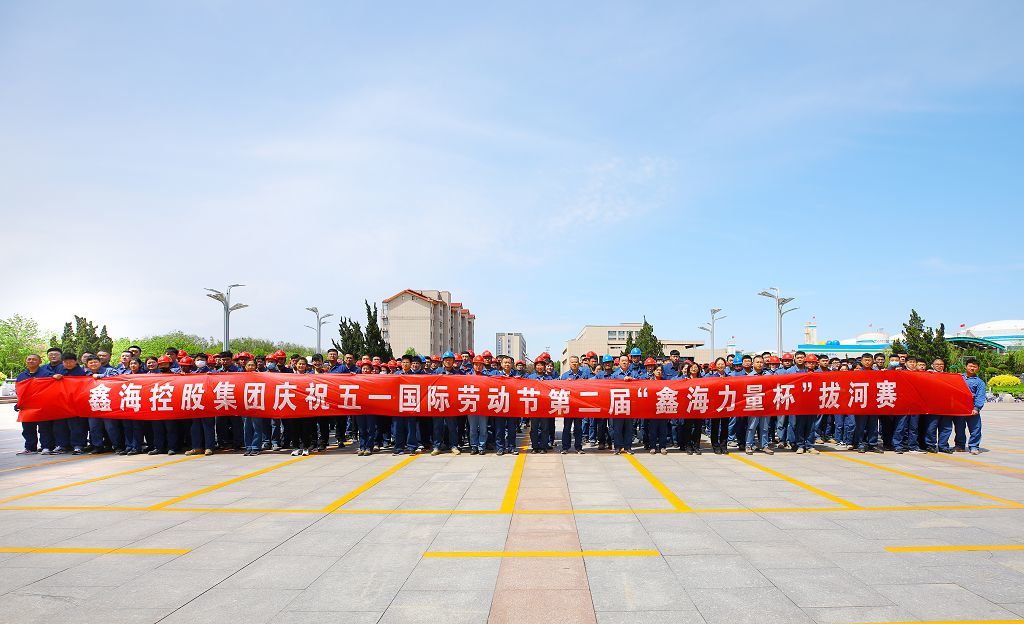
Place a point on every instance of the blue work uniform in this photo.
(506, 427)
(36, 432)
(446, 426)
(572, 428)
(541, 430)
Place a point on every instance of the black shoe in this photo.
(947, 451)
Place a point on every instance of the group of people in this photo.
(417, 434)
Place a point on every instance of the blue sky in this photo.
(552, 165)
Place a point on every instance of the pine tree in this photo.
(921, 341)
(351, 339)
(648, 343)
(375, 343)
(81, 337)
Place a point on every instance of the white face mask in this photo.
(200, 363)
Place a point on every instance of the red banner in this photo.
(281, 395)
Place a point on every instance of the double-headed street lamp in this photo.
(780, 302)
(225, 299)
(321, 320)
(710, 328)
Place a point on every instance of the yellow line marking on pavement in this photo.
(986, 547)
(369, 484)
(676, 502)
(976, 463)
(949, 622)
(98, 551)
(94, 480)
(543, 553)
(796, 482)
(48, 463)
(217, 486)
(508, 502)
(924, 479)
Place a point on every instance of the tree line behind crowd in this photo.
(20, 336)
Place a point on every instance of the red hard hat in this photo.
(811, 358)
(487, 354)
(787, 356)
(479, 359)
(271, 356)
(245, 354)
(279, 354)
(591, 354)
(518, 362)
(773, 359)
(181, 353)
(650, 362)
(392, 364)
(435, 358)
(185, 360)
(163, 359)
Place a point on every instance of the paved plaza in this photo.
(840, 537)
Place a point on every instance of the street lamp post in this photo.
(321, 320)
(710, 328)
(780, 302)
(225, 299)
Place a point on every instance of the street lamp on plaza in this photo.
(225, 299)
(321, 320)
(780, 302)
(710, 328)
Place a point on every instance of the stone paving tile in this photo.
(715, 572)
(280, 572)
(446, 607)
(649, 617)
(844, 615)
(464, 574)
(943, 601)
(327, 617)
(634, 584)
(754, 605)
(223, 604)
(823, 587)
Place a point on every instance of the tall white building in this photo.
(509, 343)
(611, 340)
(428, 321)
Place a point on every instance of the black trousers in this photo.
(719, 432)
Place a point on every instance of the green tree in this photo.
(374, 339)
(19, 337)
(192, 344)
(157, 344)
(83, 337)
(411, 351)
(647, 342)
(922, 341)
(350, 337)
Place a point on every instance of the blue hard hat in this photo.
(423, 359)
(635, 351)
(607, 358)
(737, 360)
(448, 354)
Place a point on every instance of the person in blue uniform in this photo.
(572, 428)
(622, 428)
(41, 433)
(759, 431)
(539, 430)
(447, 426)
(506, 427)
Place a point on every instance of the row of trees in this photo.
(929, 343)
(352, 338)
